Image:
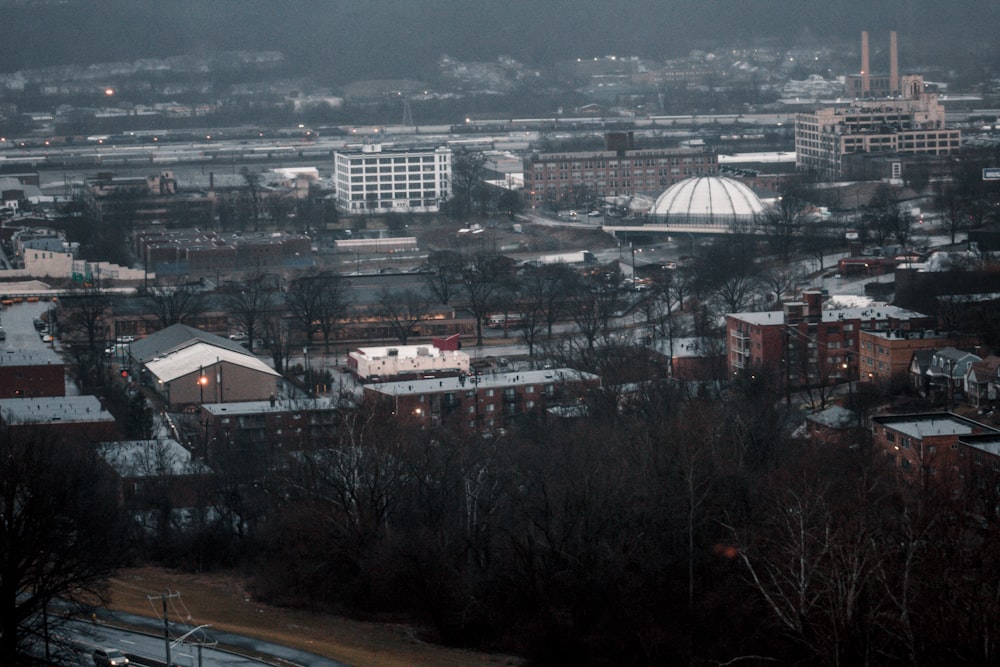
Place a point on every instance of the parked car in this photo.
(109, 657)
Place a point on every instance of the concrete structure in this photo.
(885, 357)
(31, 373)
(482, 402)
(866, 83)
(372, 179)
(621, 170)
(912, 123)
(807, 344)
(192, 252)
(406, 361)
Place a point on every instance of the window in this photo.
(905, 443)
(905, 463)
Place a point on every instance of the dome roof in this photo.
(705, 198)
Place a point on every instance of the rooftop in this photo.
(481, 381)
(931, 424)
(200, 355)
(150, 458)
(54, 409)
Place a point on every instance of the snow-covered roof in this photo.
(54, 410)
(190, 359)
(482, 381)
(150, 458)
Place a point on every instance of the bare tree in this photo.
(467, 174)
(403, 311)
(252, 198)
(445, 274)
(247, 302)
(87, 309)
(782, 223)
(61, 533)
(484, 278)
(174, 304)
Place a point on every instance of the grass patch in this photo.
(223, 601)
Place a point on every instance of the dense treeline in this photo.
(674, 530)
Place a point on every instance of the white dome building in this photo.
(707, 200)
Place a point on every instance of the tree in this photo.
(782, 223)
(444, 275)
(61, 532)
(174, 304)
(247, 302)
(403, 311)
(467, 173)
(251, 199)
(87, 308)
(483, 279)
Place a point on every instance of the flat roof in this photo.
(407, 351)
(264, 407)
(873, 312)
(54, 410)
(482, 381)
(986, 442)
(931, 424)
(30, 356)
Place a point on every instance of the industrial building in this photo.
(892, 114)
(373, 179)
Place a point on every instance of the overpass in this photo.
(706, 227)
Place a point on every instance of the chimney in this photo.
(865, 66)
(893, 65)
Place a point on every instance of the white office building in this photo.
(373, 180)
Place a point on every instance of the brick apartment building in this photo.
(294, 423)
(619, 170)
(30, 373)
(925, 448)
(482, 402)
(885, 356)
(806, 344)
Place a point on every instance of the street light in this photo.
(202, 381)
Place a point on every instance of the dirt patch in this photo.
(222, 600)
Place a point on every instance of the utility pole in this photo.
(166, 624)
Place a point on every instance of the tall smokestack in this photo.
(893, 65)
(865, 65)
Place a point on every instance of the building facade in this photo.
(619, 170)
(924, 448)
(374, 180)
(807, 344)
(911, 124)
(885, 356)
(483, 401)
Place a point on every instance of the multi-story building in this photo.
(27, 373)
(619, 170)
(807, 344)
(913, 123)
(925, 447)
(885, 356)
(294, 423)
(372, 179)
(483, 401)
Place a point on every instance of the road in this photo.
(150, 647)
